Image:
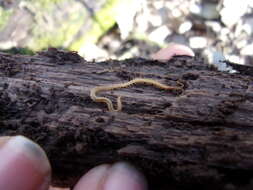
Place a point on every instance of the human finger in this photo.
(172, 50)
(118, 176)
(23, 165)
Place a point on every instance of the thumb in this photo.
(23, 165)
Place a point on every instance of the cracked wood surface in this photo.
(200, 136)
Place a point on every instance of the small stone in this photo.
(217, 59)
(236, 59)
(176, 38)
(185, 27)
(214, 57)
(195, 9)
(247, 50)
(125, 19)
(240, 43)
(239, 29)
(215, 26)
(133, 52)
(91, 51)
(176, 13)
(223, 36)
(248, 26)
(159, 35)
(197, 42)
(158, 4)
(209, 11)
(237, 8)
(155, 20)
(141, 18)
(205, 10)
(7, 44)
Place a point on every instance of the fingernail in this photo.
(23, 165)
(124, 177)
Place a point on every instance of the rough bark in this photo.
(200, 136)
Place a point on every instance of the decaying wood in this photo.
(199, 136)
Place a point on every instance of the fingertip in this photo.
(23, 165)
(124, 177)
(172, 50)
(94, 179)
(112, 177)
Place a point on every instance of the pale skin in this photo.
(25, 166)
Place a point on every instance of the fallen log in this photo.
(198, 136)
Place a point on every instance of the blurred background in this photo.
(102, 29)
(118, 29)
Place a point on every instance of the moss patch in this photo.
(54, 28)
(44, 4)
(103, 21)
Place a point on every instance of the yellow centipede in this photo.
(108, 102)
